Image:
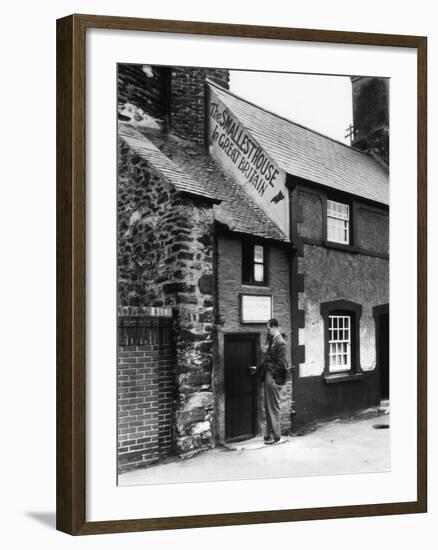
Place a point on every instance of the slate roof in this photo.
(190, 169)
(308, 154)
(178, 178)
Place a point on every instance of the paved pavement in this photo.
(337, 447)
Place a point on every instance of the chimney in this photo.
(371, 115)
(187, 99)
(141, 90)
(156, 98)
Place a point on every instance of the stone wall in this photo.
(165, 258)
(360, 275)
(194, 330)
(371, 225)
(173, 96)
(229, 287)
(332, 275)
(145, 87)
(310, 224)
(372, 230)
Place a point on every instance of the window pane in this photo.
(253, 263)
(338, 210)
(258, 253)
(339, 343)
(338, 231)
(258, 273)
(338, 216)
(247, 262)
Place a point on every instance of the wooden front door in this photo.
(381, 316)
(240, 387)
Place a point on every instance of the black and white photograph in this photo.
(253, 274)
(221, 227)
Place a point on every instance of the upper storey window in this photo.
(254, 268)
(338, 222)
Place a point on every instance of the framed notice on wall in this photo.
(149, 257)
(255, 308)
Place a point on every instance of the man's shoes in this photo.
(267, 438)
(272, 441)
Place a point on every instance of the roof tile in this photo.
(190, 169)
(181, 180)
(237, 209)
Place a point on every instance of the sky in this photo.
(319, 102)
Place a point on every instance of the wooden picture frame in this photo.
(71, 273)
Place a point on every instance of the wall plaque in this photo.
(255, 308)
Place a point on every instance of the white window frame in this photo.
(338, 222)
(340, 330)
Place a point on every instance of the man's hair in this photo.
(273, 323)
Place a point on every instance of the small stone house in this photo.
(229, 215)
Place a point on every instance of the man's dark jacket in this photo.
(275, 360)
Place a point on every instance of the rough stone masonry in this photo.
(165, 258)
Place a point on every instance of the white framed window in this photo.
(339, 343)
(341, 338)
(338, 222)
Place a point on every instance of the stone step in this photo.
(253, 444)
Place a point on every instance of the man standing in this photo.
(273, 370)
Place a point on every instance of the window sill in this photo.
(338, 377)
(339, 246)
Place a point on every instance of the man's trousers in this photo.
(272, 406)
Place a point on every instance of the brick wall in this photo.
(187, 100)
(145, 389)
